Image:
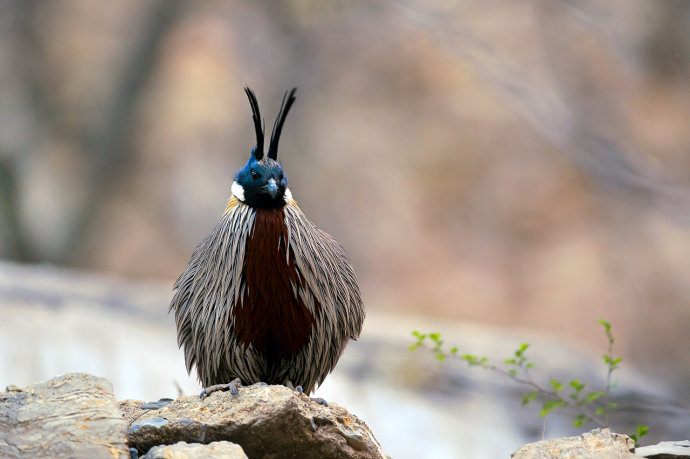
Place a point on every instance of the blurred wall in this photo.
(519, 163)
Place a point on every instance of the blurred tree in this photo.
(102, 142)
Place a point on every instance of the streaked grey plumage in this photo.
(267, 296)
(214, 285)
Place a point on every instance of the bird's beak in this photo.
(271, 188)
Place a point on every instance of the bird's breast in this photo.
(271, 313)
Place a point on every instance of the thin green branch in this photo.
(589, 407)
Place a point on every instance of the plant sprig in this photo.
(590, 405)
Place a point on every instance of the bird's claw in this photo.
(232, 386)
(300, 391)
(319, 400)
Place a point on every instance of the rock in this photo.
(665, 450)
(73, 415)
(183, 450)
(599, 443)
(266, 421)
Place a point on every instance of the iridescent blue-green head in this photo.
(262, 182)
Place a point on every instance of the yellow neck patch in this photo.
(232, 202)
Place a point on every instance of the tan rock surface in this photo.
(183, 450)
(597, 444)
(266, 421)
(665, 450)
(73, 415)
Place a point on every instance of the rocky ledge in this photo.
(76, 416)
(266, 421)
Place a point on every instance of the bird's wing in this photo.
(328, 274)
(208, 289)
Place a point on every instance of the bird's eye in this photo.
(255, 175)
(280, 177)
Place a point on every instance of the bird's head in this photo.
(262, 182)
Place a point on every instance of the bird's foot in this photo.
(300, 391)
(319, 400)
(297, 389)
(232, 386)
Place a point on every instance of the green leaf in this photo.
(440, 356)
(413, 347)
(510, 361)
(521, 350)
(453, 350)
(579, 420)
(474, 361)
(557, 386)
(513, 372)
(613, 405)
(641, 432)
(607, 329)
(551, 405)
(530, 365)
(529, 397)
(599, 411)
(470, 359)
(434, 336)
(576, 385)
(593, 396)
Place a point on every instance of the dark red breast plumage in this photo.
(272, 278)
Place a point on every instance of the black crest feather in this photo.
(288, 100)
(256, 115)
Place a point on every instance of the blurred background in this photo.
(499, 171)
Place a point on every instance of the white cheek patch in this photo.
(237, 191)
(288, 196)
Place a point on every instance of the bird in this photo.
(267, 297)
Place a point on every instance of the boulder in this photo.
(666, 450)
(597, 444)
(216, 450)
(73, 415)
(266, 421)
